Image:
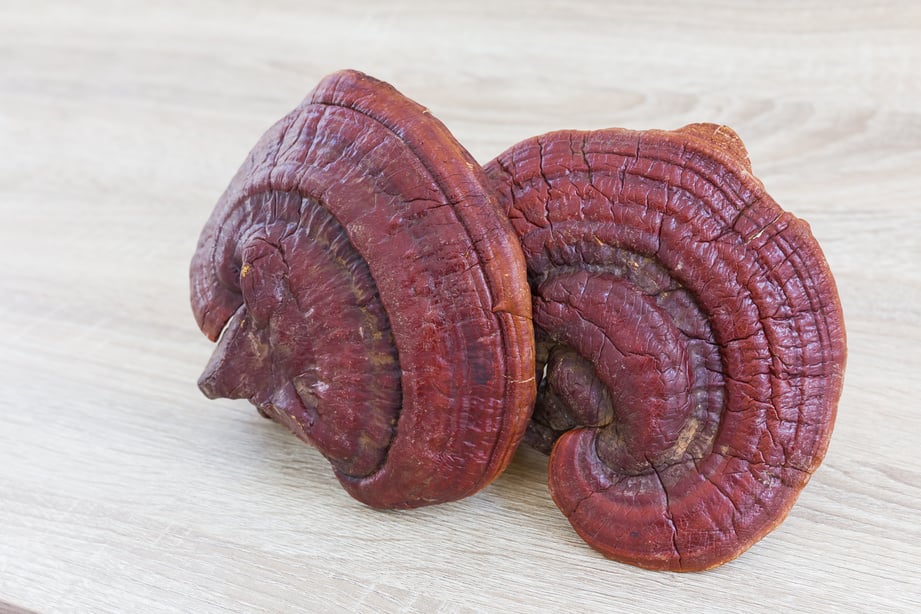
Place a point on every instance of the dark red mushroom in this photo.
(372, 297)
(690, 334)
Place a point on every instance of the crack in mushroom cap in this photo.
(372, 297)
(689, 334)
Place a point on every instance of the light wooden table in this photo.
(122, 489)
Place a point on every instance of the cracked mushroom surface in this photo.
(691, 343)
(368, 294)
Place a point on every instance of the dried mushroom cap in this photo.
(371, 296)
(691, 336)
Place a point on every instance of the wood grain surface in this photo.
(123, 489)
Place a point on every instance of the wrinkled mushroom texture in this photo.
(369, 296)
(689, 335)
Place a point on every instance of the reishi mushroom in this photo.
(690, 339)
(371, 296)
(372, 288)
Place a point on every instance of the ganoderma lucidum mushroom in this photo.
(371, 296)
(691, 335)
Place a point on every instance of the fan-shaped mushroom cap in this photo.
(692, 336)
(372, 298)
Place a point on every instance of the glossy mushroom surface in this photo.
(690, 339)
(371, 297)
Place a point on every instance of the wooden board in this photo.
(123, 489)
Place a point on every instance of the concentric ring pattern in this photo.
(371, 297)
(691, 343)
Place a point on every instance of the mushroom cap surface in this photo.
(689, 335)
(369, 295)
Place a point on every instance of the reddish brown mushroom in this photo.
(371, 297)
(691, 336)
